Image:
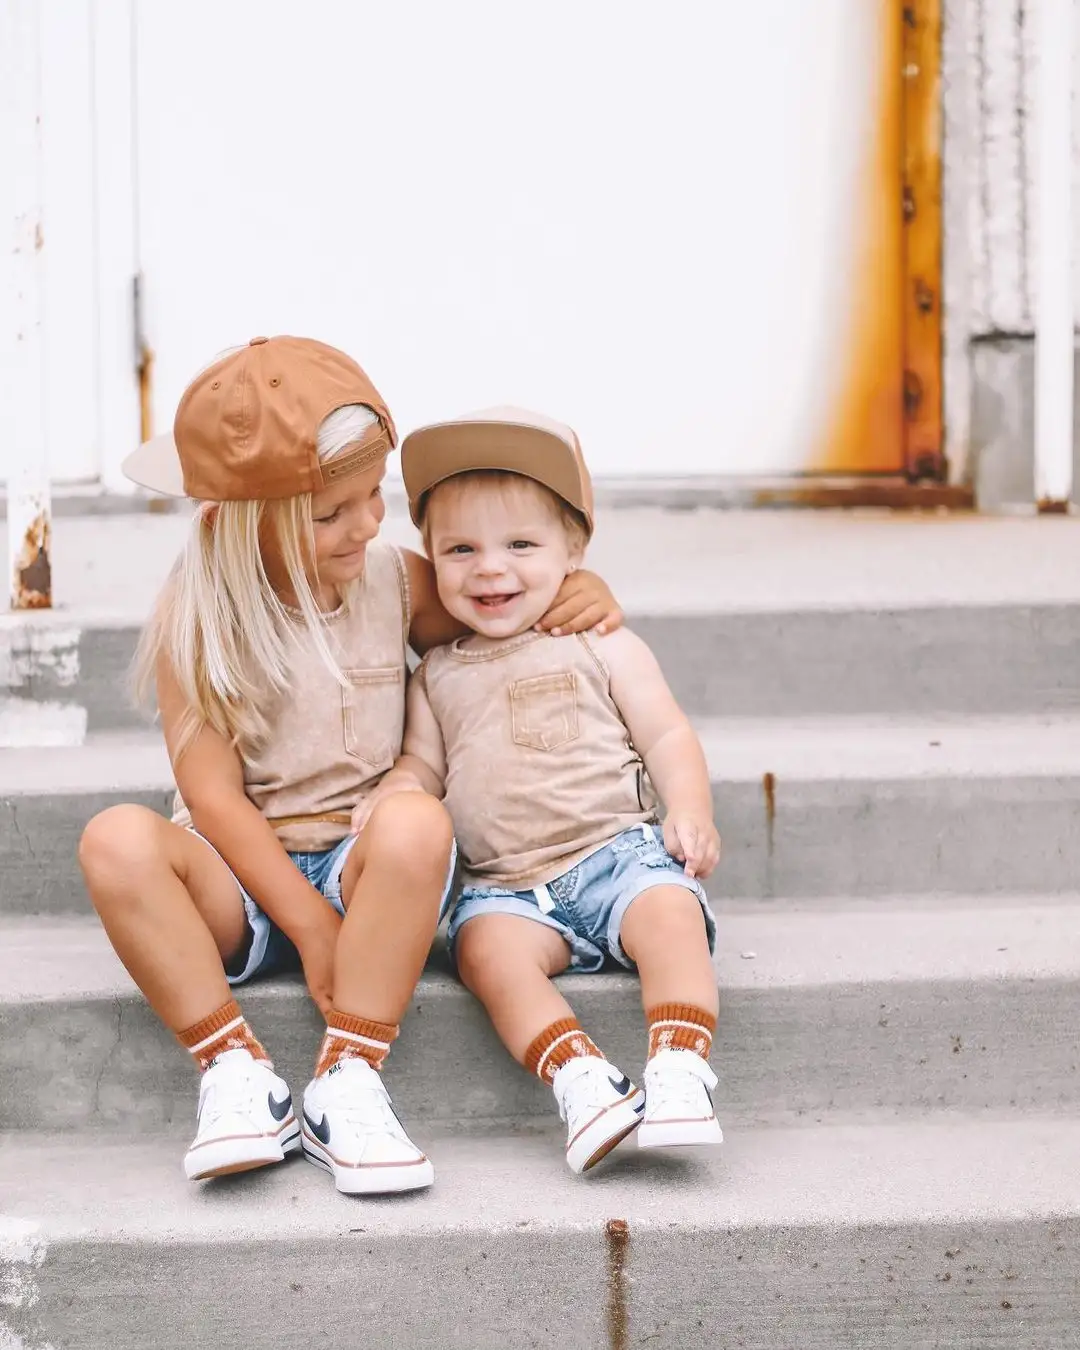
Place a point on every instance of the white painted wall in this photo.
(638, 217)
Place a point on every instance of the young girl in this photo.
(278, 651)
(545, 747)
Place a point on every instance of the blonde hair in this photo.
(218, 620)
(572, 521)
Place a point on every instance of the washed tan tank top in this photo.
(540, 768)
(331, 745)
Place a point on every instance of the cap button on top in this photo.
(257, 342)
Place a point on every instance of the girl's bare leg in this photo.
(391, 886)
(663, 932)
(171, 908)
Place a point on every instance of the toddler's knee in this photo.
(414, 830)
(119, 844)
(476, 952)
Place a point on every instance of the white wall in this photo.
(639, 217)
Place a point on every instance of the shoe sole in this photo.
(680, 1133)
(242, 1153)
(372, 1179)
(595, 1141)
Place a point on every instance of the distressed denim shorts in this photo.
(269, 951)
(587, 904)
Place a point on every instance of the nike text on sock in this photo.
(557, 1045)
(680, 1026)
(349, 1037)
(223, 1030)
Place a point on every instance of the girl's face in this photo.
(345, 518)
(500, 552)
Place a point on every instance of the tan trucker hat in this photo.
(512, 439)
(246, 427)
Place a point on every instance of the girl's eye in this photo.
(377, 491)
(328, 520)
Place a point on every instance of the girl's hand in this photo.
(584, 601)
(316, 945)
(393, 781)
(694, 841)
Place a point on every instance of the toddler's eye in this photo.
(522, 543)
(459, 548)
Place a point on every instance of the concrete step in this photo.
(761, 614)
(953, 1234)
(807, 807)
(901, 1010)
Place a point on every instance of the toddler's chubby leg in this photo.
(174, 913)
(664, 933)
(391, 889)
(507, 961)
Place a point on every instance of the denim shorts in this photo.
(268, 951)
(587, 904)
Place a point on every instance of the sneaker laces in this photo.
(675, 1089)
(232, 1092)
(588, 1093)
(361, 1099)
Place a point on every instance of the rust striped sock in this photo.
(557, 1045)
(680, 1026)
(349, 1037)
(223, 1030)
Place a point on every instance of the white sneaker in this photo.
(678, 1107)
(351, 1129)
(246, 1118)
(600, 1106)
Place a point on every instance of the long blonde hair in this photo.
(218, 620)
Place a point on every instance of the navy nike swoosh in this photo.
(279, 1109)
(639, 1110)
(320, 1131)
(622, 1086)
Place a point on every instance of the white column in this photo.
(28, 504)
(1053, 254)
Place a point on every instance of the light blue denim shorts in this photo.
(587, 904)
(269, 951)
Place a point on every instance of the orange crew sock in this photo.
(557, 1045)
(349, 1037)
(680, 1026)
(223, 1030)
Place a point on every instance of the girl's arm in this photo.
(665, 740)
(210, 777)
(584, 601)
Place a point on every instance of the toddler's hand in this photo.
(694, 841)
(393, 782)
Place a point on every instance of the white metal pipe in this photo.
(1054, 391)
(28, 503)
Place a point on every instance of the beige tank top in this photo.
(331, 745)
(540, 768)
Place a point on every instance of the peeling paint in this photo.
(22, 1253)
(31, 579)
(31, 652)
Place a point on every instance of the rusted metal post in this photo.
(1054, 391)
(28, 504)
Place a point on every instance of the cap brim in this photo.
(156, 465)
(436, 452)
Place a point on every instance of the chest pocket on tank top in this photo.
(373, 715)
(543, 710)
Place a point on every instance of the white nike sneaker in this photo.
(600, 1106)
(678, 1105)
(246, 1118)
(352, 1130)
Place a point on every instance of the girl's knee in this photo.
(413, 829)
(120, 842)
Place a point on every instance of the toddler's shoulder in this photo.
(617, 651)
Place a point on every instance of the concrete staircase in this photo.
(896, 762)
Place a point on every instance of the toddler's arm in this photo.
(665, 740)
(583, 601)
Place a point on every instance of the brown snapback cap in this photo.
(511, 439)
(246, 427)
